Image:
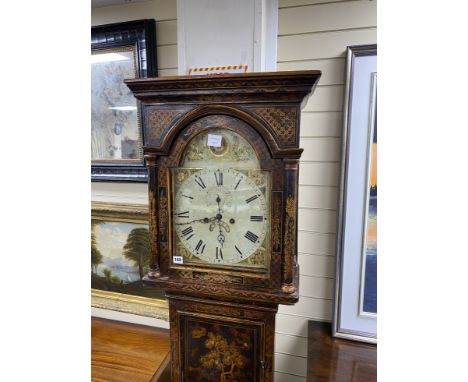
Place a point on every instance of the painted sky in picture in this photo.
(111, 237)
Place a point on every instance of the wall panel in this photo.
(295, 3)
(317, 124)
(292, 325)
(156, 9)
(314, 243)
(322, 45)
(313, 308)
(166, 32)
(318, 197)
(315, 265)
(314, 34)
(292, 345)
(321, 149)
(319, 174)
(317, 220)
(294, 365)
(327, 17)
(326, 98)
(283, 377)
(332, 69)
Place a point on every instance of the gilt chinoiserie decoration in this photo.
(223, 153)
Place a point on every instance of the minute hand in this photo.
(204, 220)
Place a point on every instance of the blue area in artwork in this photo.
(370, 276)
(370, 284)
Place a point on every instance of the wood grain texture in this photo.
(123, 352)
(338, 360)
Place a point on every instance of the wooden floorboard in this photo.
(338, 360)
(123, 352)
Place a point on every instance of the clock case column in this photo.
(210, 309)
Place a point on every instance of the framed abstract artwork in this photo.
(355, 310)
(118, 52)
(119, 259)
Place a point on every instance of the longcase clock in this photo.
(223, 162)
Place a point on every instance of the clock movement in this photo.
(223, 163)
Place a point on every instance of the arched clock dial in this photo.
(221, 216)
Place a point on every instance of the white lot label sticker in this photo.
(177, 259)
(214, 140)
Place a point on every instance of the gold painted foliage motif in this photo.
(224, 355)
(234, 150)
(276, 225)
(183, 251)
(290, 207)
(257, 258)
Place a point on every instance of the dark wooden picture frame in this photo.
(138, 37)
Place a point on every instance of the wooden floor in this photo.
(337, 360)
(123, 352)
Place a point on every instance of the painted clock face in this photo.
(221, 214)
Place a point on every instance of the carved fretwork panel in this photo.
(282, 121)
(158, 120)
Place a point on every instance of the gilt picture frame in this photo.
(119, 259)
(119, 51)
(355, 300)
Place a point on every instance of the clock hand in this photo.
(218, 200)
(204, 220)
(220, 224)
(224, 225)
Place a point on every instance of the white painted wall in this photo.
(312, 34)
(225, 32)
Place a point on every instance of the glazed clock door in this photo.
(221, 206)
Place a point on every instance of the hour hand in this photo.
(204, 220)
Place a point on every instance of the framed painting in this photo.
(118, 52)
(120, 255)
(355, 310)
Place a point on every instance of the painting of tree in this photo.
(221, 354)
(96, 256)
(137, 248)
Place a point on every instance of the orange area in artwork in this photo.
(373, 169)
(372, 233)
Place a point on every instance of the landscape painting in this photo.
(120, 253)
(369, 287)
